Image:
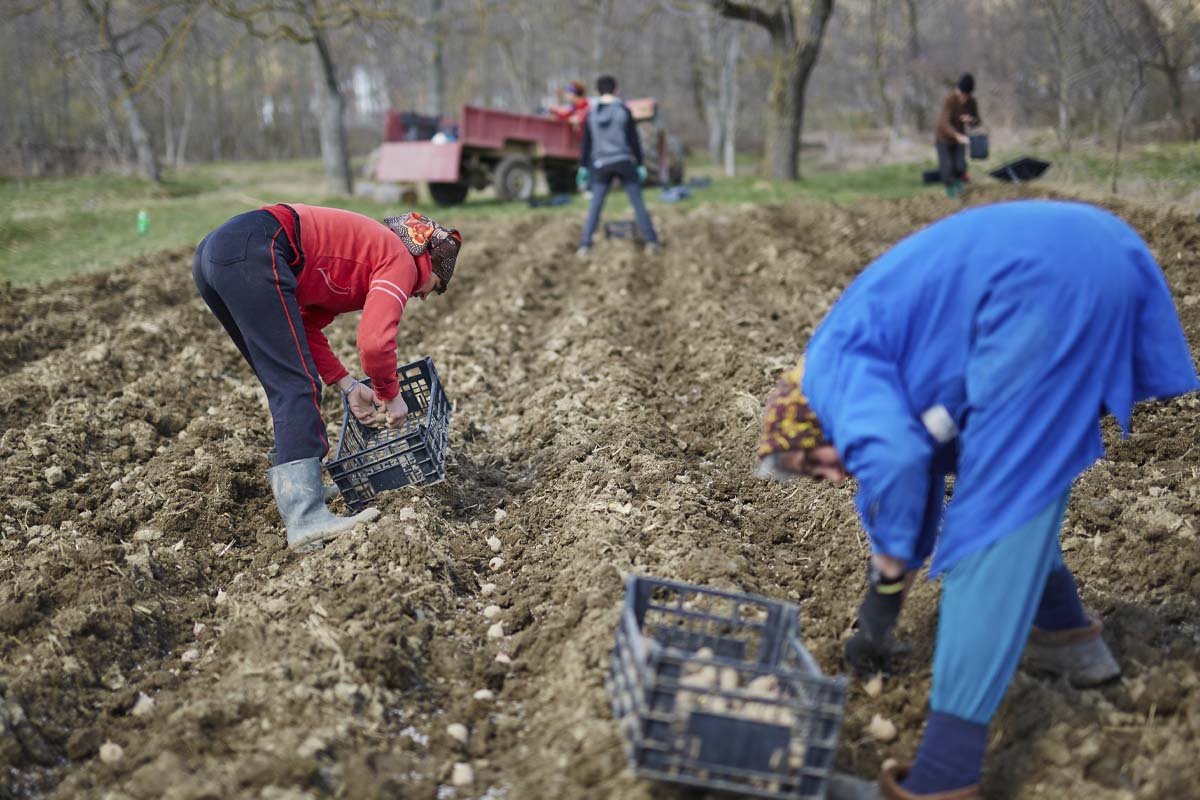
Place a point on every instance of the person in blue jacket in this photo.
(987, 345)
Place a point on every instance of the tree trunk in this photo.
(64, 86)
(729, 110)
(1126, 109)
(878, 22)
(1063, 39)
(143, 146)
(184, 129)
(335, 149)
(794, 53)
(1063, 129)
(701, 47)
(167, 128)
(437, 94)
(784, 120)
(112, 129)
(1175, 93)
(915, 94)
(218, 150)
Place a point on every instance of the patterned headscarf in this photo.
(420, 235)
(788, 425)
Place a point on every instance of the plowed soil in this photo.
(158, 640)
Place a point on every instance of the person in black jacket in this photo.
(611, 149)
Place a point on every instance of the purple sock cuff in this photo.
(950, 756)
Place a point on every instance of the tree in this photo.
(1172, 27)
(795, 29)
(916, 97)
(310, 22)
(713, 51)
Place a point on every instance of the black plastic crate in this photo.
(623, 229)
(714, 689)
(370, 460)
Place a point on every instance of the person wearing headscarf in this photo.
(987, 346)
(959, 110)
(275, 278)
(575, 109)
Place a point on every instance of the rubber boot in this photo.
(331, 492)
(848, 787)
(1078, 653)
(894, 772)
(300, 498)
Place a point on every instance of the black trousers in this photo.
(242, 272)
(601, 180)
(952, 161)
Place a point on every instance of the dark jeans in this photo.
(952, 161)
(242, 272)
(601, 180)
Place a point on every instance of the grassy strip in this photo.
(53, 228)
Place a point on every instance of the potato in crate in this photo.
(369, 460)
(714, 689)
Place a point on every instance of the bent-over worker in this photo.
(987, 345)
(275, 278)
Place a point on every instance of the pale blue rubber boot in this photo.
(300, 497)
(331, 492)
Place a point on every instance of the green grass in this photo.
(53, 228)
(1172, 166)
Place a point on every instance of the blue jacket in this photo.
(1024, 322)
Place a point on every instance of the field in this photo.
(158, 640)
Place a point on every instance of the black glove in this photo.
(871, 648)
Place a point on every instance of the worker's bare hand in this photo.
(396, 410)
(963, 139)
(361, 400)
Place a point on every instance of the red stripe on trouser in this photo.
(296, 339)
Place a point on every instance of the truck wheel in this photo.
(651, 138)
(561, 180)
(677, 156)
(448, 194)
(514, 178)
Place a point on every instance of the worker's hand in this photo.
(871, 648)
(963, 139)
(642, 174)
(361, 400)
(396, 410)
(581, 178)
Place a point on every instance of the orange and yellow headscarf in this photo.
(789, 423)
(421, 235)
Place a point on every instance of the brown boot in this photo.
(1078, 653)
(893, 772)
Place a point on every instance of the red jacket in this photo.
(576, 112)
(352, 262)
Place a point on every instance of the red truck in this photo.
(505, 150)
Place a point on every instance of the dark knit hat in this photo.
(966, 84)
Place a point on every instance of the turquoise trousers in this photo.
(989, 601)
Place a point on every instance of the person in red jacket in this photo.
(575, 108)
(275, 278)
